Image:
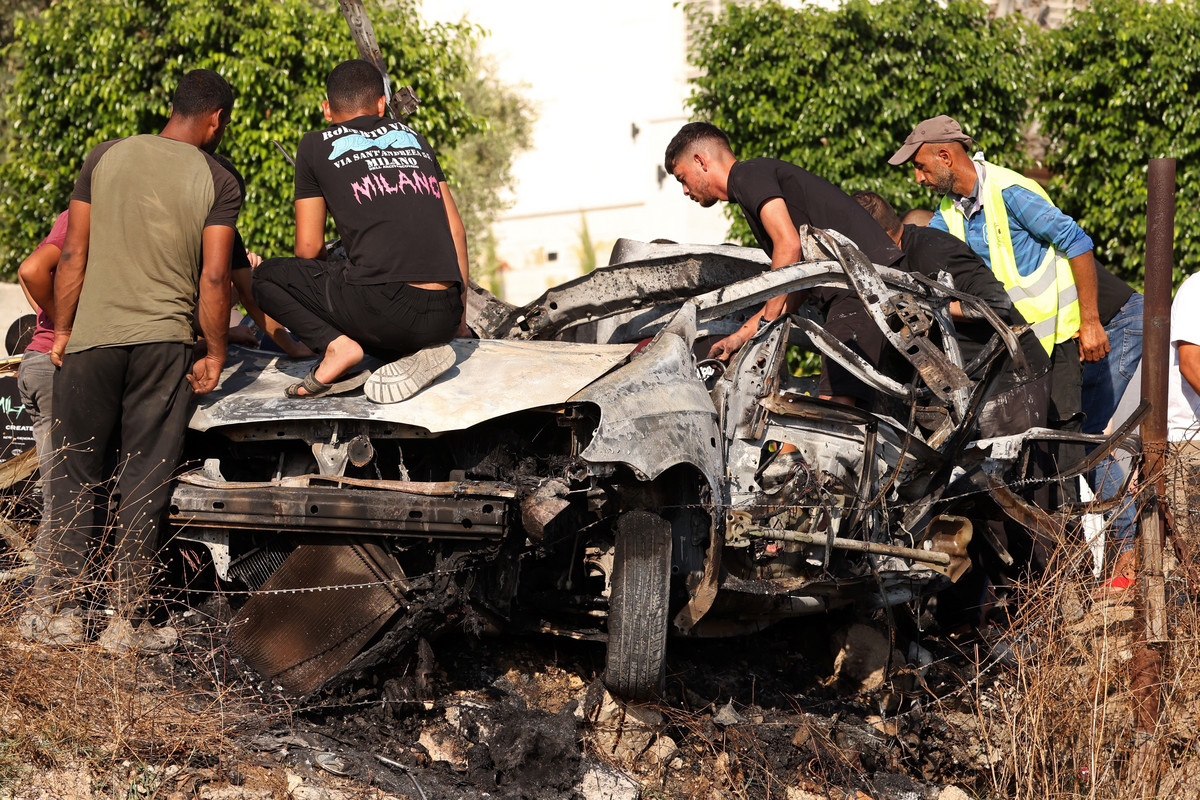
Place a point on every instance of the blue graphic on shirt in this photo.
(392, 140)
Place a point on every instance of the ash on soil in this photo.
(528, 718)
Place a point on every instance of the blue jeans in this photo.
(1104, 382)
(1106, 480)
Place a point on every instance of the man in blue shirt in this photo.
(1040, 254)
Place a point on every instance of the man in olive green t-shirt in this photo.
(151, 228)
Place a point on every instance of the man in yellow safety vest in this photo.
(1043, 258)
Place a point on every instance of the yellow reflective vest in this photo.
(1046, 297)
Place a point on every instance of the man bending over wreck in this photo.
(776, 198)
(401, 288)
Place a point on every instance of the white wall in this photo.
(594, 71)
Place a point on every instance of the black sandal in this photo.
(316, 388)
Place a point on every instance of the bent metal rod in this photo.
(927, 556)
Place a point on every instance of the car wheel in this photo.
(638, 609)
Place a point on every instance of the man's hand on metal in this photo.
(724, 349)
(1093, 341)
(205, 374)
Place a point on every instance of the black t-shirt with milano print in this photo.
(381, 182)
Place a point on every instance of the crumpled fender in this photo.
(655, 412)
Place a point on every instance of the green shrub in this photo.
(1122, 86)
(836, 91)
(92, 70)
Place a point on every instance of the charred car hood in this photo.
(489, 379)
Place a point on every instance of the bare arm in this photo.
(278, 334)
(785, 250)
(36, 275)
(213, 309)
(1093, 341)
(68, 281)
(1189, 364)
(459, 233)
(310, 227)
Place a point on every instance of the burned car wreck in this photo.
(581, 471)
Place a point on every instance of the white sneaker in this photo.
(62, 628)
(121, 637)
(401, 379)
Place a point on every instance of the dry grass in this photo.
(78, 721)
(1054, 719)
(1056, 722)
(1062, 718)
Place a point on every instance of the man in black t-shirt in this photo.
(1017, 401)
(776, 198)
(401, 288)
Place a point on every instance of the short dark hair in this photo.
(353, 85)
(880, 209)
(692, 134)
(201, 91)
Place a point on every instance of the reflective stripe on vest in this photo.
(1046, 297)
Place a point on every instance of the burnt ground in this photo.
(772, 715)
(834, 706)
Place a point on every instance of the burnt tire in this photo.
(639, 609)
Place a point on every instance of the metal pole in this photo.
(1156, 331)
(1156, 343)
(926, 556)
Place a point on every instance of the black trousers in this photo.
(1066, 414)
(314, 301)
(1009, 413)
(119, 418)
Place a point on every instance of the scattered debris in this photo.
(575, 474)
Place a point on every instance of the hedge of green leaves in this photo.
(836, 91)
(93, 70)
(1122, 87)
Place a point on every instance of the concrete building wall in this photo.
(610, 85)
(610, 82)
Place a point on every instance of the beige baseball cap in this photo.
(938, 129)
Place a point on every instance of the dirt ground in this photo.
(778, 715)
(875, 705)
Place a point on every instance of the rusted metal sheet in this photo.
(1041, 525)
(299, 638)
(489, 379)
(484, 311)
(335, 510)
(431, 488)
